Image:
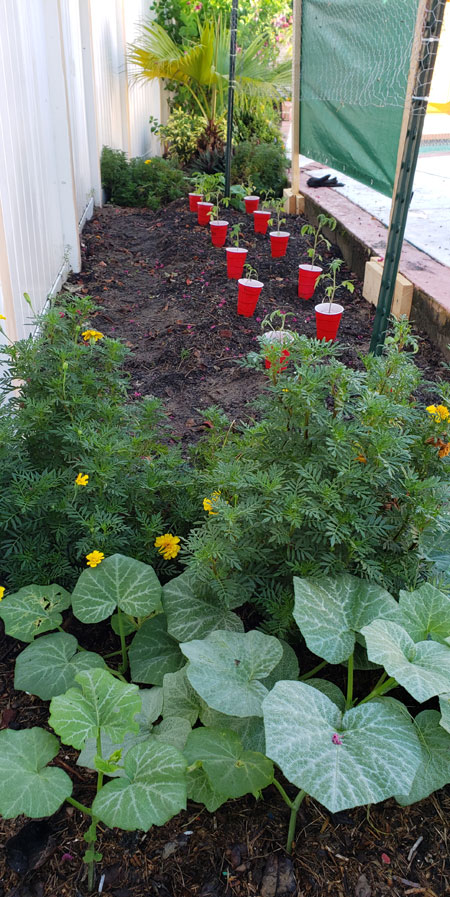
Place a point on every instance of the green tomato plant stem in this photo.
(349, 700)
(123, 645)
(313, 672)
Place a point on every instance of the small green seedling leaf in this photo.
(49, 665)
(225, 669)
(230, 769)
(118, 581)
(341, 759)
(28, 787)
(423, 668)
(151, 792)
(153, 652)
(33, 610)
(180, 699)
(330, 612)
(101, 703)
(434, 770)
(189, 617)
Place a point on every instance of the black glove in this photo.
(326, 181)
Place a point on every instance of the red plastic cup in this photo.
(281, 337)
(251, 204)
(218, 232)
(235, 262)
(248, 295)
(308, 276)
(194, 199)
(261, 220)
(278, 243)
(203, 212)
(285, 354)
(327, 322)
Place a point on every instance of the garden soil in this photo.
(162, 288)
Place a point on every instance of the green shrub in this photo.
(341, 473)
(257, 122)
(265, 164)
(71, 416)
(140, 182)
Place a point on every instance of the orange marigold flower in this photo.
(444, 450)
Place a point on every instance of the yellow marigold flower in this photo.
(444, 450)
(92, 334)
(168, 546)
(148, 161)
(442, 411)
(2, 318)
(82, 479)
(208, 502)
(94, 558)
(2, 592)
(431, 409)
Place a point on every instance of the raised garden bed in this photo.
(163, 289)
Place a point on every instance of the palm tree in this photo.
(202, 67)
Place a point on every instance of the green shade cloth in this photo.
(355, 60)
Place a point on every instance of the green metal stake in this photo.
(231, 77)
(402, 199)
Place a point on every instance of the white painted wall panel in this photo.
(29, 197)
(64, 93)
(144, 97)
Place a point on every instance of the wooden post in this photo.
(296, 51)
(412, 78)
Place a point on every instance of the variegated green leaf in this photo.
(424, 613)
(153, 652)
(118, 581)
(228, 766)
(434, 770)
(249, 728)
(444, 704)
(101, 703)
(151, 792)
(49, 665)
(190, 617)
(225, 669)
(28, 787)
(423, 668)
(174, 730)
(341, 759)
(330, 612)
(33, 610)
(180, 699)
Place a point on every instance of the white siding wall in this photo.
(64, 92)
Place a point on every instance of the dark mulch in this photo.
(163, 289)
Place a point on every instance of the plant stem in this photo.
(285, 797)
(313, 672)
(349, 700)
(78, 806)
(380, 690)
(112, 654)
(123, 646)
(293, 820)
(93, 827)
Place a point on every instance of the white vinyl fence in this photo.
(65, 91)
